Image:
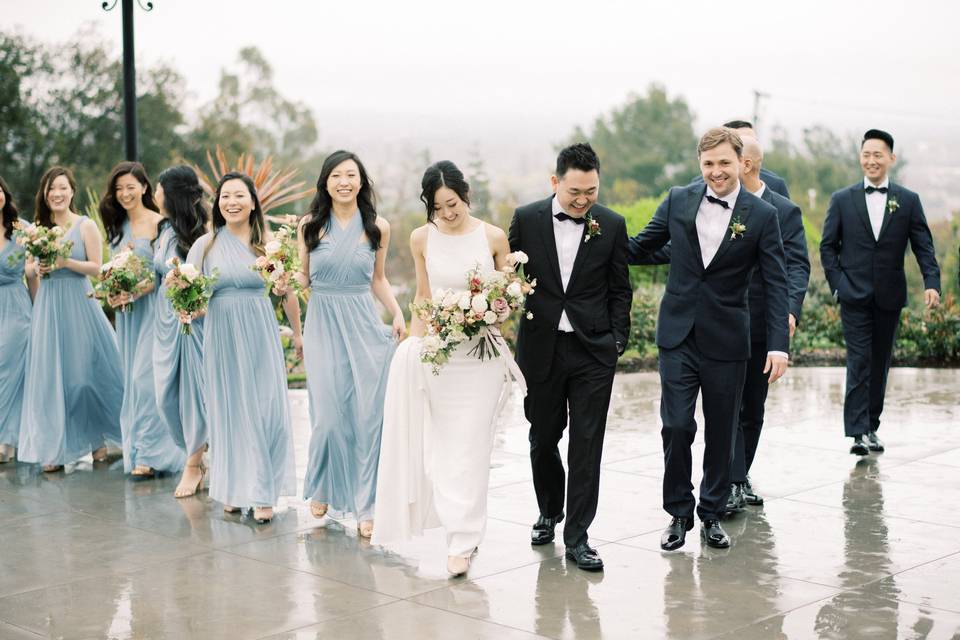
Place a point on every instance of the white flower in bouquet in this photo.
(449, 298)
(273, 247)
(494, 278)
(464, 302)
(517, 257)
(514, 290)
(490, 317)
(431, 344)
(189, 272)
(479, 303)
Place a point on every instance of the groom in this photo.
(575, 327)
(719, 234)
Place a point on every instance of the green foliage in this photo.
(637, 215)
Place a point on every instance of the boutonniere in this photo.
(593, 228)
(892, 205)
(737, 228)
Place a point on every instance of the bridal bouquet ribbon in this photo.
(45, 244)
(279, 263)
(188, 290)
(454, 317)
(125, 273)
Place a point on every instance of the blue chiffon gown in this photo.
(73, 388)
(146, 438)
(347, 354)
(245, 381)
(15, 308)
(177, 361)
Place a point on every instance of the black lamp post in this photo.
(129, 73)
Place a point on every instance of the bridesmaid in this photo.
(347, 349)
(178, 358)
(73, 387)
(15, 307)
(245, 378)
(131, 220)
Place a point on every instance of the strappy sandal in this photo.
(318, 509)
(186, 491)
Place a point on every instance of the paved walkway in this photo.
(842, 549)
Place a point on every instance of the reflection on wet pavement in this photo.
(842, 549)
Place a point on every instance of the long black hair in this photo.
(318, 214)
(43, 215)
(257, 224)
(111, 211)
(10, 213)
(184, 206)
(442, 174)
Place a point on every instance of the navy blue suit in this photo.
(703, 332)
(866, 276)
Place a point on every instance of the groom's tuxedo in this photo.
(568, 349)
(703, 328)
(865, 272)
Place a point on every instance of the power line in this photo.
(871, 109)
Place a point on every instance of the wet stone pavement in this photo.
(843, 548)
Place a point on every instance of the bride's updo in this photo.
(442, 174)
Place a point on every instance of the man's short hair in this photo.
(738, 124)
(717, 136)
(579, 156)
(877, 134)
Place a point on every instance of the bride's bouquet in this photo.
(188, 290)
(280, 262)
(454, 317)
(45, 244)
(127, 273)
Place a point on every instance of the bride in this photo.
(438, 429)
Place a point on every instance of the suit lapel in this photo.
(582, 250)
(860, 203)
(549, 240)
(689, 219)
(741, 210)
(892, 192)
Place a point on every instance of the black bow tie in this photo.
(563, 215)
(719, 201)
(873, 189)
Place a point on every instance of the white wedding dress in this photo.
(438, 429)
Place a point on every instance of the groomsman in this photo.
(772, 180)
(576, 327)
(720, 233)
(865, 237)
(798, 276)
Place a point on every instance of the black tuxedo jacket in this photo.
(712, 300)
(798, 266)
(598, 295)
(772, 180)
(862, 269)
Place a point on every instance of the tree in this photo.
(645, 146)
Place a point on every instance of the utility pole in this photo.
(757, 97)
(129, 74)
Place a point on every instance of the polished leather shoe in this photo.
(542, 532)
(859, 447)
(585, 556)
(750, 496)
(676, 533)
(713, 534)
(735, 502)
(873, 442)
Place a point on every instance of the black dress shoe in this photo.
(542, 532)
(585, 556)
(675, 534)
(713, 534)
(873, 442)
(736, 502)
(859, 447)
(750, 496)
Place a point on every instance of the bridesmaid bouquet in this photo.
(45, 244)
(280, 262)
(455, 317)
(125, 273)
(188, 291)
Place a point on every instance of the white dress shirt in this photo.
(759, 192)
(876, 205)
(568, 236)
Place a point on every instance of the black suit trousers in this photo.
(754, 398)
(870, 333)
(578, 385)
(684, 373)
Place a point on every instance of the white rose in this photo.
(464, 301)
(272, 247)
(478, 303)
(514, 290)
(450, 299)
(430, 344)
(517, 257)
(189, 272)
(490, 317)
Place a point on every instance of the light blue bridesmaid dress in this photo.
(146, 438)
(15, 308)
(177, 361)
(347, 353)
(73, 388)
(245, 381)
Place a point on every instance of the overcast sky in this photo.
(528, 70)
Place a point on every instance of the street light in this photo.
(129, 73)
